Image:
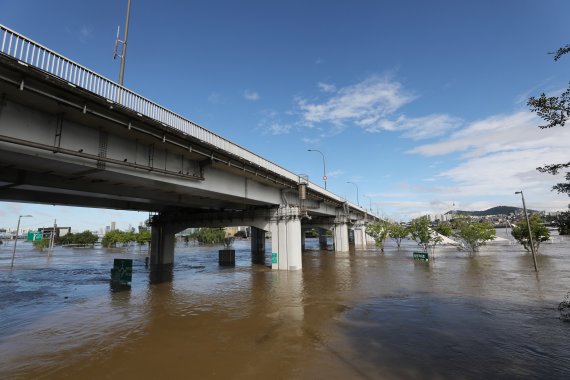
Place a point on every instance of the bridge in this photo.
(70, 136)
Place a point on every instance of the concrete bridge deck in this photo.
(72, 137)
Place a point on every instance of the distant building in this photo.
(113, 226)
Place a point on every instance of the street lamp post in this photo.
(357, 198)
(324, 165)
(124, 53)
(529, 230)
(16, 240)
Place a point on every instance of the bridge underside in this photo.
(63, 145)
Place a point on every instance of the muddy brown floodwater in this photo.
(357, 315)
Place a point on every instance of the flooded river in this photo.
(357, 315)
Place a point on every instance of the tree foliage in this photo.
(555, 110)
(379, 231)
(444, 229)
(210, 235)
(539, 232)
(82, 238)
(397, 232)
(41, 244)
(421, 232)
(564, 223)
(472, 234)
(124, 238)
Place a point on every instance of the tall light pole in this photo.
(324, 165)
(529, 230)
(124, 53)
(16, 240)
(357, 198)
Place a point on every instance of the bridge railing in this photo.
(32, 53)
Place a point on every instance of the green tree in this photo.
(210, 235)
(84, 238)
(143, 237)
(111, 238)
(539, 232)
(472, 234)
(379, 231)
(397, 232)
(444, 229)
(421, 232)
(555, 110)
(564, 223)
(41, 244)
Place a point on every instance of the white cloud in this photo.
(335, 173)
(498, 156)
(251, 95)
(326, 87)
(418, 128)
(364, 104)
(278, 128)
(308, 140)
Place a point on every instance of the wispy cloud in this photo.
(499, 155)
(308, 140)
(326, 87)
(365, 104)
(251, 95)
(278, 129)
(335, 173)
(418, 128)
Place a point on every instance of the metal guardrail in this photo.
(32, 53)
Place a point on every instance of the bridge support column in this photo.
(360, 237)
(323, 244)
(257, 246)
(286, 239)
(341, 237)
(162, 244)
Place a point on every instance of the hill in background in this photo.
(498, 210)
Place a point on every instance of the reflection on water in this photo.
(361, 314)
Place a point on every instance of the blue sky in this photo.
(421, 103)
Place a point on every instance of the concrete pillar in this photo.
(323, 244)
(286, 239)
(274, 229)
(341, 237)
(359, 237)
(282, 237)
(162, 244)
(257, 246)
(294, 252)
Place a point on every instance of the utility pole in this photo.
(529, 231)
(16, 240)
(52, 238)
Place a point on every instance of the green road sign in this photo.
(274, 258)
(421, 256)
(122, 271)
(35, 235)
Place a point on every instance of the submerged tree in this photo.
(555, 110)
(472, 234)
(421, 232)
(379, 231)
(397, 232)
(539, 232)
